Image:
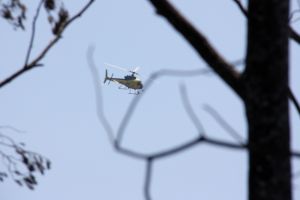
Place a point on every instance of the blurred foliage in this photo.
(18, 163)
(15, 13)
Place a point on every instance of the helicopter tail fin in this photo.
(106, 77)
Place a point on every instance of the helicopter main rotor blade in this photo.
(135, 69)
(116, 67)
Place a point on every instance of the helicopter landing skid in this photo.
(136, 92)
(123, 88)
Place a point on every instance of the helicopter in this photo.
(130, 81)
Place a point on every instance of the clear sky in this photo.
(55, 105)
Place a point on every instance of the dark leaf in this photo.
(50, 5)
(6, 14)
(3, 174)
(40, 167)
(17, 172)
(30, 167)
(19, 182)
(59, 25)
(29, 185)
(25, 159)
(48, 163)
(30, 179)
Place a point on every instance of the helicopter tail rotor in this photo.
(106, 77)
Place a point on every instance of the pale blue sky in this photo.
(56, 107)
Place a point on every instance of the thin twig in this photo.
(294, 35)
(294, 100)
(148, 178)
(229, 129)
(33, 32)
(177, 149)
(98, 92)
(8, 127)
(295, 154)
(241, 7)
(130, 153)
(190, 111)
(221, 143)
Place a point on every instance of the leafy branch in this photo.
(21, 164)
(59, 27)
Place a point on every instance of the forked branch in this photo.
(293, 34)
(200, 44)
(35, 62)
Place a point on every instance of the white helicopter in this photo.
(129, 81)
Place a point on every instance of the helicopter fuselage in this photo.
(132, 82)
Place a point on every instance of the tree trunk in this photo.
(266, 100)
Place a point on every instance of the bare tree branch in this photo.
(177, 149)
(200, 44)
(293, 34)
(241, 7)
(295, 154)
(98, 93)
(150, 158)
(33, 32)
(130, 153)
(35, 62)
(230, 130)
(222, 143)
(148, 178)
(294, 100)
(133, 104)
(190, 111)
(58, 36)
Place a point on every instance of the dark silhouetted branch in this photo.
(295, 154)
(35, 62)
(199, 140)
(294, 100)
(293, 34)
(200, 44)
(241, 7)
(33, 32)
(58, 36)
